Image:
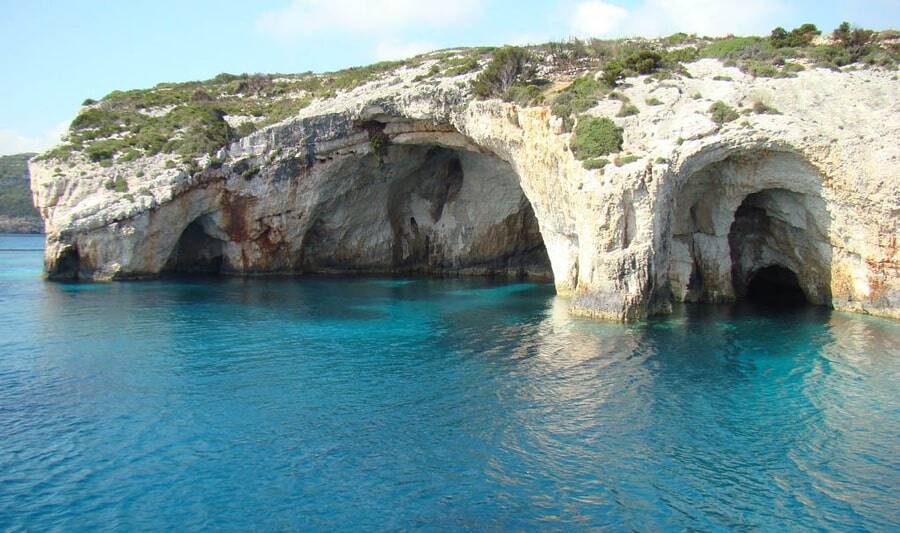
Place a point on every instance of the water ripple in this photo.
(432, 404)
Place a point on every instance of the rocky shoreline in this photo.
(409, 175)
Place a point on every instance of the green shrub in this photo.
(118, 185)
(103, 150)
(722, 112)
(130, 155)
(761, 108)
(613, 72)
(802, 36)
(731, 48)
(791, 68)
(458, 66)
(207, 130)
(832, 56)
(595, 137)
(723, 78)
(348, 79)
(245, 128)
(625, 159)
(653, 101)
(676, 39)
(852, 37)
(508, 66)
(596, 163)
(627, 110)
(643, 61)
(566, 53)
(88, 101)
(523, 94)
(761, 69)
(96, 118)
(582, 94)
(682, 55)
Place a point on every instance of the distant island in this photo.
(17, 211)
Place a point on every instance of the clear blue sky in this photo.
(57, 53)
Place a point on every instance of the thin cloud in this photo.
(597, 18)
(663, 17)
(13, 142)
(303, 18)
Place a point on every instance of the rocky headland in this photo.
(634, 174)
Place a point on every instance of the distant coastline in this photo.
(17, 211)
(22, 225)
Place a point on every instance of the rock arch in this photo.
(199, 249)
(388, 197)
(743, 213)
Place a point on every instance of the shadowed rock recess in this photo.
(401, 175)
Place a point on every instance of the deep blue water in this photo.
(334, 404)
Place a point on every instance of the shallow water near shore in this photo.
(381, 404)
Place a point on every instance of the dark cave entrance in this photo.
(427, 209)
(753, 226)
(197, 251)
(67, 266)
(775, 286)
(772, 248)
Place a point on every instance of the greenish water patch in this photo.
(355, 404)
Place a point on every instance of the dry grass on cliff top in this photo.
(194, 118)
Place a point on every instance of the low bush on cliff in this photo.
(595, 164)
(722, 113)
(762, 108)
(509, 69)
(188, 118)
(457, 66)
(647, 59)
(118, 185)
(801, 36)
(192, 118)
(595, 137)
(770, 56)
(582, 94)
(627, 110)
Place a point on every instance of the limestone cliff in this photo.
(406, 173)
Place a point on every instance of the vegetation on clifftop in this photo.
(595, 137)
(194, 118)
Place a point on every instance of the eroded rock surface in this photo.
(400, 176)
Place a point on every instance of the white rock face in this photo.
(477, 187)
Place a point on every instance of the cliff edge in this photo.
(632, 173)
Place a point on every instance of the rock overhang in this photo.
(607, 234)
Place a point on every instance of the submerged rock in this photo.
(402, 175)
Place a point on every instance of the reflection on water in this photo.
(395, 404)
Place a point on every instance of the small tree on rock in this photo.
(509, 65)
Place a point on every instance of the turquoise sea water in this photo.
(357, 405)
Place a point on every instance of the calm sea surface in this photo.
(362, 405)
